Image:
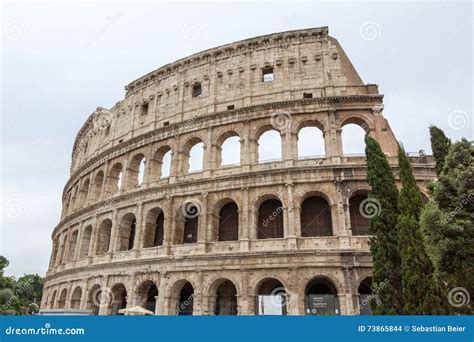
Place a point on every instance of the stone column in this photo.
(202, 228)
(168, 223)
(245, 148)
(114, 233)
(291, 231)
(244, 222)
(162, 295)
(244, 301)
(140, 226)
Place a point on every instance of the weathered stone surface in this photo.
(160, 114)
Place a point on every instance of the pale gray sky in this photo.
(61, 61)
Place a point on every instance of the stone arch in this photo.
(187, 222)
(83, 193)
(104, 237)
(97, 186)
(364, 294)
(315, 216)
(353, 132)
(86, 241)
(182, 296)
(310, 141)
(271, 297)
(359, 216)
(228, 140)
(62, 299)
(147, 293)
(52, 300)
(126, 232)
(270, 217)
(318, 291)
(76, 298)
(223, 297)
(154, 228)
(114, 180)
(193, 144)
(73, 244)
(94, 299)
(160, 167)
(136, 170)
(269, 144)
(226, 220)
(118, 299)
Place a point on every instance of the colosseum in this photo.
(141, 226)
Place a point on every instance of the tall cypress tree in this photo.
(383, 243)
(420, 295)
(447, 223)
(440, 146)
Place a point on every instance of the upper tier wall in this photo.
(230, 76)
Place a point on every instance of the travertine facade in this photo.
(123, 241)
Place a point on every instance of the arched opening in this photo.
(353, 140)
(94, 299)
(62, 251)
(186, 300)
(72, 245)
(365, 294)
(315, 217)
(269, 147)
(114, 182)
(136, 171)
(83, 193)
(62, 299)
(321, 298)
(154, 228)
(98, 182)
(54, 253)
(148, 293)
(126, 232)
(226, 299)
(103, 243)
(166, 165)
(359, 217)
(52, 301)
(196, 157)
(119, 299)
(270, 219)
(271, 298)
(311, 143)
(228, 229)
(76, 298)
(187, 223)
(86, 242)
(230, 151)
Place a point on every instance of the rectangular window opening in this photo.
(267, 74)
(166, 123)
(230, 107)
(307, 95)
(144, 109)
(197, 90)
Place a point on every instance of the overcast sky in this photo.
(61, 61)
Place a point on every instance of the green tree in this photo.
(440, 147)
(383, 227)
(420, 292)
(447, 222)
